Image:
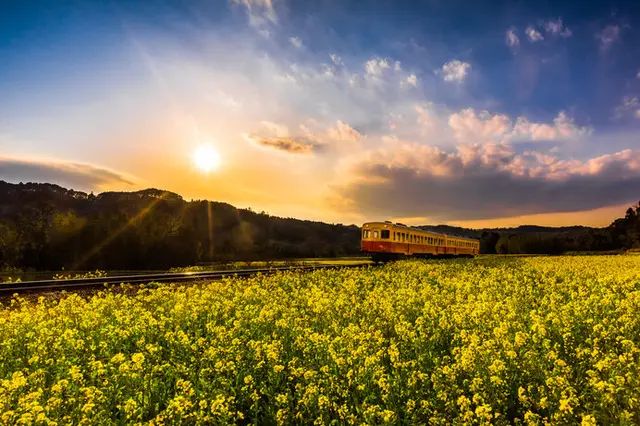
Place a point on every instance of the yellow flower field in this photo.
(492, 340)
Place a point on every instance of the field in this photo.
(492, 340)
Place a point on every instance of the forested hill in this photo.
(45, 226)
(623, 233)
(522, 229)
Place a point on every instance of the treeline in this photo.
(622, 234)
(47, 227)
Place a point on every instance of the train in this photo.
(386, 241)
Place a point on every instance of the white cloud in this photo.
(557, 28)
(412, 80)
(483, 127)
(563, 128)
(468, 126)
(609, 35)
(638, 74)
(512, 38)
(376, 66)
(533, 34)
(455, 70)
(296, 42)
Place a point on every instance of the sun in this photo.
(206, 158)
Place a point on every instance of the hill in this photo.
(45, 226)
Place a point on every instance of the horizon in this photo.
(249, 208)
(341, 112)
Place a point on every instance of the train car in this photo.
(385, 241)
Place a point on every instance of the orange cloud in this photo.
(289, 145)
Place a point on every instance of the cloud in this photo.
(469, 126)
(629, 106)
(314, 139)
(78, 176)
(343, 132)
(563, 128)
(512, 39)
(533, 34)
(455, 70)
(608, 36)
(296, 42)
(337, 60)
(376, 66)
(412, 80)
(289, 145)
(557, 28)
(484, 181)
(261, 13)
(279, 130)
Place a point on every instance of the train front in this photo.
(376, 239)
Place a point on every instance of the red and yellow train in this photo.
(385, 241)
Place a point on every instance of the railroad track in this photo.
(8, 289)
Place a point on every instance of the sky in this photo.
(477, 114)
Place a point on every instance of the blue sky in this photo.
(332, 110)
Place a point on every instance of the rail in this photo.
(7, 289)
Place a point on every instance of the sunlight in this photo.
(206, 158)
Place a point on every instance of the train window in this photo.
(384, 234)
(375, 234)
